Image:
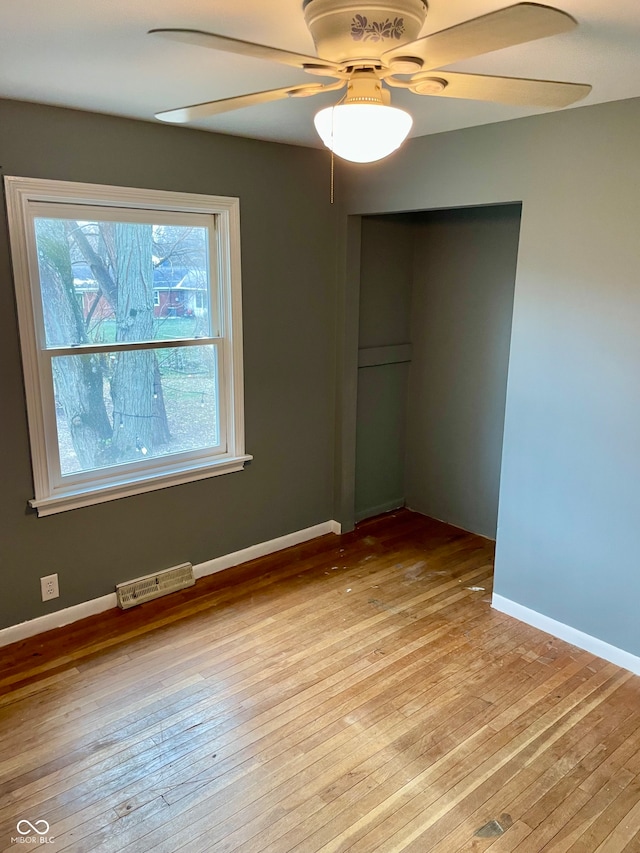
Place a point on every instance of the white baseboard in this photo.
(15, 633)
(565, 632)
(219, 564)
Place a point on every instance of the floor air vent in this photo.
(153, 586)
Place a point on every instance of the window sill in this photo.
(62, 502)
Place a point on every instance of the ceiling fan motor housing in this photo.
(352, 32)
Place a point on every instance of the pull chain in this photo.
(331, 190)
(332, 156)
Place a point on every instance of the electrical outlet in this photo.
(49, 587)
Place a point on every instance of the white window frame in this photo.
(54, 493)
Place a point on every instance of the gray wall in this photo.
(463, 284)
(289, 333)
(568, 531)
(386, 272)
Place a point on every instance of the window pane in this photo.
(122, 281)
(118, 407)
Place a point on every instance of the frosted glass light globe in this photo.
(363, 133)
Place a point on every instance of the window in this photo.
(129, 388)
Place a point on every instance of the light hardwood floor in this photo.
(356, 693)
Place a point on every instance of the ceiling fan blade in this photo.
(182, 115)
(245, 48)
(505, 90)
(504, 28)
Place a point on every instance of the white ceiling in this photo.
(97, 56)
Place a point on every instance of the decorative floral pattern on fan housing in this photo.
(363, 30)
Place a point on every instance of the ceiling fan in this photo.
(370, 46)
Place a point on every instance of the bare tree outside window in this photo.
(127, 283)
